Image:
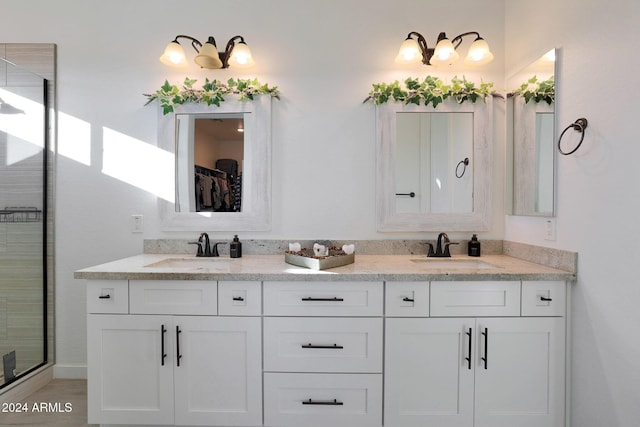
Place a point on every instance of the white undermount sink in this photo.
(453, 263)
(211, 264)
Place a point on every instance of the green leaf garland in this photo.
(432, 90)
(537, 91)
(212, 92)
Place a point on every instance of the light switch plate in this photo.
(550, 229)
(137, 223)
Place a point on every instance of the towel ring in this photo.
(579, 126)
(464, 162)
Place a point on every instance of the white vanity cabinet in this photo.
(327, 353)
(157, 365)
(464, 369)
(323, 354)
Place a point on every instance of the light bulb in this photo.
(208, 57)
(479, 53)
(241, 56)
(409, 52)
(444, 54)
(174, 55)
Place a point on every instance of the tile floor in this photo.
(59, 403)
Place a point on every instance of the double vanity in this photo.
(393, 340)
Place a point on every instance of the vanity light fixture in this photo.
(445, 53)
(236, 53)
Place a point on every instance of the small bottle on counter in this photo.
(235, 248)
(474, 246)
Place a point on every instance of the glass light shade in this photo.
(479, 53)
(409, 52)
(208, 57)
(444, 54)
(174, 55)
(241, 56)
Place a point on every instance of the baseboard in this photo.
(28, 385)
(70, 372)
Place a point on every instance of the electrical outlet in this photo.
(137, 223)
(550, 230)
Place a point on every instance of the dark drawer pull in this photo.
(334, 346)
(322, 299)
(238, 299)
(333, 402)
(546, 299)
(104, 296)
(407, 299)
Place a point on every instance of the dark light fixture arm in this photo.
(457, 40)
(195, 43)
(428, 52)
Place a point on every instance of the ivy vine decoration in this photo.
(432, 90)
(537, 91)
(212, 92)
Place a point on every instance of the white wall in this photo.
(598, 198)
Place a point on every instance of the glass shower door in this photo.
(23, 156)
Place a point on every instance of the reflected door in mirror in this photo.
(431, 174)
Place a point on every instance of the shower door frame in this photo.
(40, 59)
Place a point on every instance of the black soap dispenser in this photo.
(235, 248)
(474, 246)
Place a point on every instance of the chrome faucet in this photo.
(442, 247)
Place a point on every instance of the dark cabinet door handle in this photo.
(407, 299)
(238, 299)
(322, 299)
(546, 299)
(412, 194)
(334, 346)
(333, 402)
(163, 355)
(468, 359)
(486, 347)
(178, 355)
(105, 296)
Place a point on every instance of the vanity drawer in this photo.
(544, 298)
(322, 344)
(457, 299)
(189, 297)
(323, 298)
(321, 400)
(108, 296)
(239, 298)
(407, 299)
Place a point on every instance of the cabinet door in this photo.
(428, 374)
(129, 380)
(523, 381)
(218, 378)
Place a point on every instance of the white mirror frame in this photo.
(256, 209)
(388, 220)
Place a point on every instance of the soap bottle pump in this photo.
(235, 248)
(474, 246)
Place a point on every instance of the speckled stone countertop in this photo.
(365, 268)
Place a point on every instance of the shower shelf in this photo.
(20, 214)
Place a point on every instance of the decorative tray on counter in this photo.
(307, 258)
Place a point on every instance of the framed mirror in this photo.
(222, 166)
(434, 166)
(531, 130)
